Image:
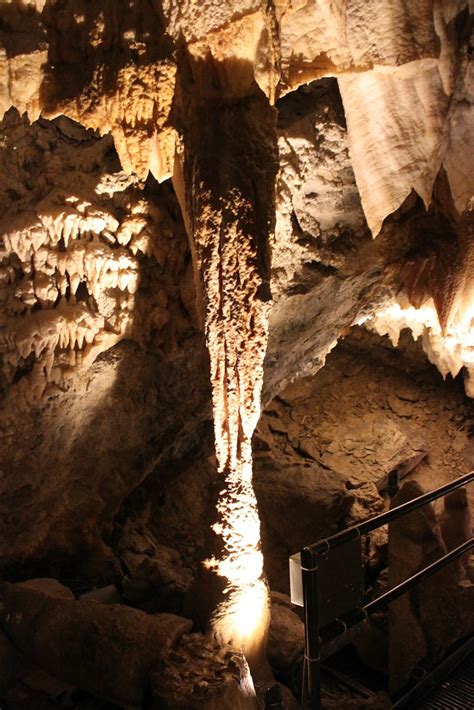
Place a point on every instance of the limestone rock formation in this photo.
(286, 637)
(282, 486)
(106, 66)
(456, 526)
(201, 674)
(71, 269)
(198, 201)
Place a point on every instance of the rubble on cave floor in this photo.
(369, 410)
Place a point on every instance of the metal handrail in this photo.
(309, 568)
(367, 526)
(412, 581)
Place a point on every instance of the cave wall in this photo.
(99, 331)
(100, 326)
(198, 201)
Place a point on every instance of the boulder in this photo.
(161, 567)
(299, 502)
(456, 524)
(15, 667)
(199, 674)
(286, 636)
(107, 650)
(48, 586)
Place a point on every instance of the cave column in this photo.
(226, 184)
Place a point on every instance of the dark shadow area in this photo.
(306, 100)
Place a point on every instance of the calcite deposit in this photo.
(75, 239)
(199, 201)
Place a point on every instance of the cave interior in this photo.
(236, 318)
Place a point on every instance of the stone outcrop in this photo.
(456, 525)
(320, 497)
(125, 398)
(108, 650)
(285, 638)
(199, 673)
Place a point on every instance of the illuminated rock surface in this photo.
(198, 201)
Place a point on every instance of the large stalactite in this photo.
(229, 169)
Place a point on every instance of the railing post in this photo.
(309, 558)
(312, 666)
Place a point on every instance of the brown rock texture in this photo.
(188, 198)
(327, 443)
(105, 65)
(90, 246)
(107, 650)
(286, 636)
(201, 673)
(456, 525)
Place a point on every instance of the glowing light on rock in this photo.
(242, 617)
(57, 254)
(227, 190)
(449, 350)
